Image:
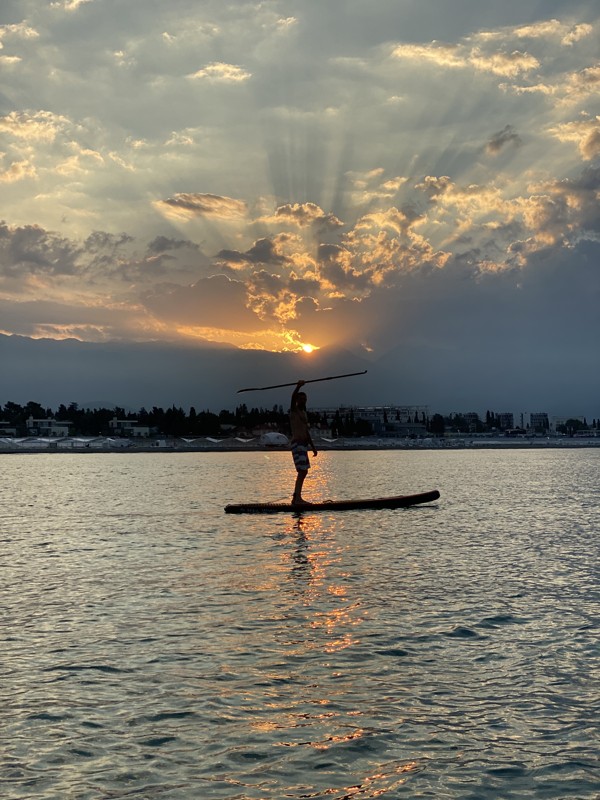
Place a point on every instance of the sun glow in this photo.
(309, 348)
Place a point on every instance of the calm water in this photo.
(153, 647)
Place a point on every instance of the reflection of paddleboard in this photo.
(400, 501)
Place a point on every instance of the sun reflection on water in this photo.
(298, 691)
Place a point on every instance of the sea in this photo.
(155, 648)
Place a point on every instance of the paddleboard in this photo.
(398, 501)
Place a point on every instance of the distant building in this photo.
(472, 420)
(6, 429)
(539, 422)
(561, 422)
(47, 427)
(393, 421)
(506, 421)
(128, 427)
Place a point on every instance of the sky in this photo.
(272, 188)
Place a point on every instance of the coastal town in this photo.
(33, 428)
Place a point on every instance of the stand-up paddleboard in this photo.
(399, 501)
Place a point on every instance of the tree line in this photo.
(175, 421)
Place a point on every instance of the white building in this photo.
(128, 427)
(47, 427)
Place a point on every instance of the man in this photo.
(301, 441)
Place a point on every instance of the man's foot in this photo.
(299, 501)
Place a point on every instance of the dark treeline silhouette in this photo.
(174, 421)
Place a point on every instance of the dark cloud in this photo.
(336, 267)
(164, 244)
(216, 302)
(90, 322)
(581, 198)
(304, 286)
(29, 249)
(263, 251)
(502, 139)
(195, 204)
(264, 282)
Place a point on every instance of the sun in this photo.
(309, 348)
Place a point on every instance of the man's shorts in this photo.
(300, 456)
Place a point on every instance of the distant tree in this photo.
(437, 425)
(62, 412)
(571, 426)
(206, 424)
(34, 410)
(14, 413)
(226, 417)
(175, 422)
(336, 425)
(363, 427)
(459, 423)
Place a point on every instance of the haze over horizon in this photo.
(146, 374)
(205, 194)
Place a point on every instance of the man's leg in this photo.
(301, 475)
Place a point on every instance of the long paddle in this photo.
(314, 380)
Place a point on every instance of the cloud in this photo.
(30, 250)
(373, 186)
(576, 33)
(39, 263)
(190, 205)
(263, 251)
(550, 29)
(500, 140)
(17, 171)
(20, 30)
(69, 5)
(442, 55)
(222, 73)
(42, 126)
(302, 215)
(363, 193)
(284, 24)
(216, 303)
(88, 322)
(584, 133)
(164, 244)
(579, 196)
(506, 64)
(336, 268)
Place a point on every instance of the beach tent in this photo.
(77, 442)
(274, 439)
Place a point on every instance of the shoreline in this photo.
(235, 446)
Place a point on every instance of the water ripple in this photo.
(155, 648)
